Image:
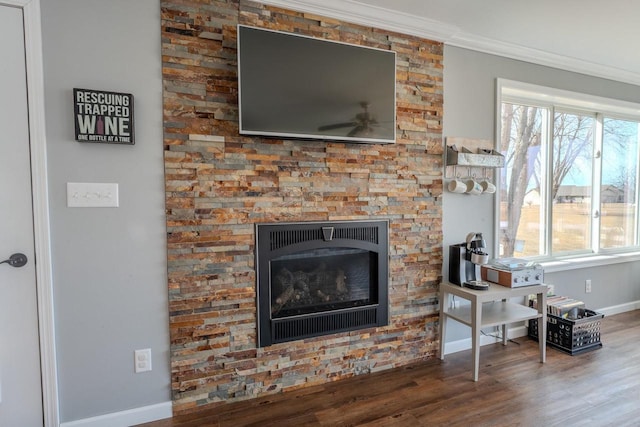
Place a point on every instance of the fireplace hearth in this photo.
(319, 278)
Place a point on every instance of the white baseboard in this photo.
(126, 418)
(617, 309)
(521, 331)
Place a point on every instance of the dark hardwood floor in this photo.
(598, 388)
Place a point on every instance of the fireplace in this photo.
(319, 278)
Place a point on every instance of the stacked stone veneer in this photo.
(219, 184)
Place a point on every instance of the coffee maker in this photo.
(465, 260)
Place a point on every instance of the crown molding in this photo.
(540, 57)
(451, 35)
(371, 16)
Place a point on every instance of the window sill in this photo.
(588, 261)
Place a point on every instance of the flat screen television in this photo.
(294, 86)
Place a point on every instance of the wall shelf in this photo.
(485, 158)
(471, 158)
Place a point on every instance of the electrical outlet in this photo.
(142, 360)
(587, 286)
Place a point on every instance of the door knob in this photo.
(16, 260)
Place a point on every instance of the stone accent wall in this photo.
(219, 184)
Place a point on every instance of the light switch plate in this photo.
(92, 195)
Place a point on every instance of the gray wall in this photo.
(469, 111)
(109, 264)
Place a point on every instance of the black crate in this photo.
(569, 335)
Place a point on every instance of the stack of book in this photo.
(558, 305)
(562, 306)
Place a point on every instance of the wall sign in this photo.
(105, 117)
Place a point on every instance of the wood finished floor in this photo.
(598, 388)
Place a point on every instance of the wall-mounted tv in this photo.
(294, 86)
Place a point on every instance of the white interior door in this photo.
(20, 373)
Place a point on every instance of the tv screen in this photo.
(301, 87)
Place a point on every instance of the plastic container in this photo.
(578, 333)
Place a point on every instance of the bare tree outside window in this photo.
(548, 202)
(572, 182)
(520, 141)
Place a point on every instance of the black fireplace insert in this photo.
(319, 278)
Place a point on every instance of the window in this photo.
(569, 185)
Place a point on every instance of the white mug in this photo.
(457, 186)
(473, 187)
(488, 187)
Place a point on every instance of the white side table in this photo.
(492, 308)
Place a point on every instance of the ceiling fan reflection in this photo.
(363, 124)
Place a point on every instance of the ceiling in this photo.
(588, 36)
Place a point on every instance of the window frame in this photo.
(601, 108)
